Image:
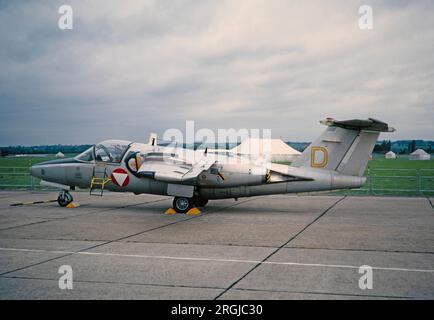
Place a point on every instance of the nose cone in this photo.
(45, 170)
(53, 170)
(37, 171)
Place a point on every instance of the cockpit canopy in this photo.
(106, 151)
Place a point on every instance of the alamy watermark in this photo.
(366, 280)
(366, 19)
(66, 278)
(66, 19)
(257, 150)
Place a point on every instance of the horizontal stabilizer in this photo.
(369, 125)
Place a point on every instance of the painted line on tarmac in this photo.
(279, 248)
(30, 203)
(321, 265)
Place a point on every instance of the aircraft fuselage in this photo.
(225, 179)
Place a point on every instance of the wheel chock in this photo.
(193, 212)
(170, 211)
(72, 205)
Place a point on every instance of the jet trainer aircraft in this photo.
(335, 160)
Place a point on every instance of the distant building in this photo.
(60, 155)
(390, 155)
(419, 154)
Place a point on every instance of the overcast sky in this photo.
(131, 67)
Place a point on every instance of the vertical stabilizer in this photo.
(345, 146)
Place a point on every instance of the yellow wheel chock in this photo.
(191, 212)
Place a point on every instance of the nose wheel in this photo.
(64, 198)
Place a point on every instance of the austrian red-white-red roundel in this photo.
(120, 177)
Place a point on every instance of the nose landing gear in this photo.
(64, 198)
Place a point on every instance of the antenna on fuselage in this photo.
(152, 139)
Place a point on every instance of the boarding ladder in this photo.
(99, 180)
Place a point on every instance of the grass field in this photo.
(402, 162)
(396, 177)
(385, 177)
(26, 162)
(400, 176)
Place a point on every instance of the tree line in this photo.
(403, 146)
(44, 149)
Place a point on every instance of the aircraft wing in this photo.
(174, 169)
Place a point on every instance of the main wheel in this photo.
(181, 204)
(64, 198)
(200, 202)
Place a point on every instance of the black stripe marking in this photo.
(30, 203)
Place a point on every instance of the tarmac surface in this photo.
(123, 246)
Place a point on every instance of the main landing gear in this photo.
(64, 198)
(183, 205)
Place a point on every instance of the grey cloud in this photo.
(132, 67)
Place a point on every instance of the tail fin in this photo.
(345, 146)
